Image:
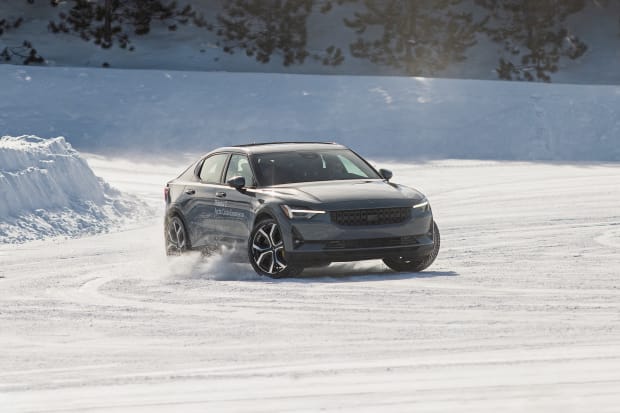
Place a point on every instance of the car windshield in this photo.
(308, 166)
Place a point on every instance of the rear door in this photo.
(201, 210)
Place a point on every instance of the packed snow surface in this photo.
(47, 189)
(520, 312)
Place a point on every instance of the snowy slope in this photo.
(47, 189)
(153, 112)
(191, 48)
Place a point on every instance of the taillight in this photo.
(166, 194)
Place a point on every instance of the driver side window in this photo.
(240, 166)
(211, 170)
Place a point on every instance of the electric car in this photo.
(287, 206)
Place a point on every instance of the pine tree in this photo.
(419, 37)
(24, 51)
(263, 28)
(533, 36)
(109, 22)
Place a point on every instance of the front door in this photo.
(236, 205)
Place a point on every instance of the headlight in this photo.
(293, 212)
(422, 206)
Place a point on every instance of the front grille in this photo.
(371, 243)
(378, 216)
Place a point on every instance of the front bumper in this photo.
(309, 258)
(320, 240)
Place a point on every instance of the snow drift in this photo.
(47, 189)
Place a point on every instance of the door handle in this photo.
(190, 191)
(220, 194)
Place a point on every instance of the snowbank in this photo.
(149, 112)
(47, 189)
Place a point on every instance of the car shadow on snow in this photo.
(336, 273)
(223, 268)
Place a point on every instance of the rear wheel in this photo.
(176, 236)
(405, 264)
(266, 251)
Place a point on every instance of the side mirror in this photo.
(386, 173)
(236, 182)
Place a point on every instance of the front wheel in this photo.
(266, 251)
(404, 264)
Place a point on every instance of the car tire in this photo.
(177, 241)
(404, 264)
(266, 251)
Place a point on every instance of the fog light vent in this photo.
(298, 240)
(335, 244)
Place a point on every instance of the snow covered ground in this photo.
(520, 312)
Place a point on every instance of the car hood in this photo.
(357, 194)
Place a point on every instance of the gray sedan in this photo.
(288, 206)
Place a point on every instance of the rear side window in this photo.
(212, 167)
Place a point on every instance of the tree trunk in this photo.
(410, 35)
(107, 23)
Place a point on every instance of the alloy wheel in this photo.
(268, 249)
(176, 237)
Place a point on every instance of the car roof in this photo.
(266, 147)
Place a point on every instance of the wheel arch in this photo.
(262, 215)
(174, 211)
